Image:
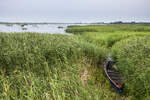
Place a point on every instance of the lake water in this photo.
(40, 28)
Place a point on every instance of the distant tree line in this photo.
(132, 22)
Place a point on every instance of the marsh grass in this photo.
(70, 67)
(44, 66)
(108, 28)
(132, 55)
(129, 46)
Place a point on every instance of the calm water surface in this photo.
(40, 28)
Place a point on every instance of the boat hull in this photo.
(114, 77)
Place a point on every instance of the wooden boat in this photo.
(114, 76)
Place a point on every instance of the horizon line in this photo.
(25, 22)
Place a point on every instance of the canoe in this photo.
(114, 76)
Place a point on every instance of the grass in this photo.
(129, 46)
(108, 28)
(132, 55)
(64, 67)
(44, 66)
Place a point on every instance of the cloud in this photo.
(82, 9)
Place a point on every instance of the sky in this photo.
(74, 10)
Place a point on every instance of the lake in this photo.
(40, 28)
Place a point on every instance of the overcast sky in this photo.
(74, 10)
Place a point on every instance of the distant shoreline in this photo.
(97, 23)
(43, 23)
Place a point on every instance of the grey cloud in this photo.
(74, 10)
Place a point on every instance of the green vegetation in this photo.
(44, 66)
(133, 57)
(70, 67)
(109, 28)
(129, 46)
